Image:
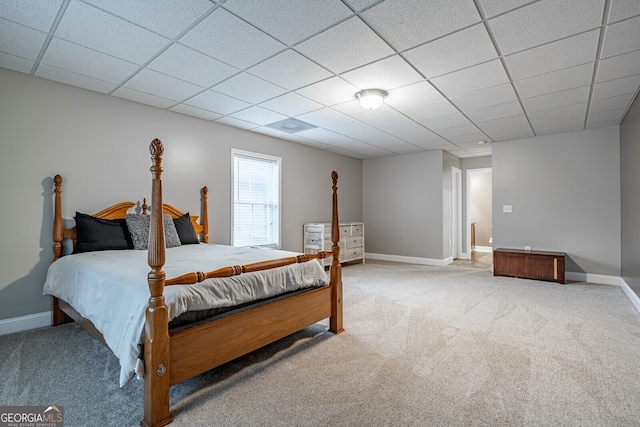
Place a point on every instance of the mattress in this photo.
(110, 289)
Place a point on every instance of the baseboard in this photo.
(593, 278)
(635, 300)
(410, 259)
(24, 323)
(485, 249)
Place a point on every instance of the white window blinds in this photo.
(256, 200)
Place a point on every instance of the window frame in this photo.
(259, 157)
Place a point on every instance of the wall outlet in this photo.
(527, 248)
(507, 208)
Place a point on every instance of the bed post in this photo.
(156, 333)
(205, 215)
(335, 322)
(59, 316)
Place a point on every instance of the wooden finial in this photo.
(156, 148)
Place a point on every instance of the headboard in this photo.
(117, 211)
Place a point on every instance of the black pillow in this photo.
(97, 234)
(186, 233)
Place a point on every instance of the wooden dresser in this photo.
(538, 265)
(317, 237)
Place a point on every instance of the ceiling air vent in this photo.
(291, 125)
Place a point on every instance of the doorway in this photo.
(479, 217)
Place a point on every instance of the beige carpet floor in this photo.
(423, 346)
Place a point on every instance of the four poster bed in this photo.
(102, 290)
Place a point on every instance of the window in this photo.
(256, 199)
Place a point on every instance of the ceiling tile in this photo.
(410, 131)
(545, 21)
(485, 97)
(329, 92)
(441, 122)
(354, 109)
(290, 21)
(321, 134)
(385, 119)
(459, 50)
(615, 67)
(223, 36)
(36, 14)
(290, 70)
(74, 79)
(20, 41)
(249, 88)
(554, 56)
(159, 84)
(407, 23)
(510, 133)
(556, 81)
(16, 63)
(186, 64)
(87, 26)
(143, 98)
(569, 117)
(195, 112)
(217, 102)
(64, 54)
(471, 79)
(291, 105)
(430, 109)
(507, 109)
(622, 9)
(417, 93)
(359, 45)
(463, 132)
(601, 124)
(386, 74)
(323, 117)
(164, 17)
(491, 127)
(557, 99)
(606, 116)
(613, 103)
(496, 7)
(622, 37)
(258, 115)
(355, 129)
(623, 86)
(361, 4)
(237, 123)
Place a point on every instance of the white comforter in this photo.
(110, 289)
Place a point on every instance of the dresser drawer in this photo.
(353, 241)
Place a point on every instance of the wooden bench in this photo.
(537, 265)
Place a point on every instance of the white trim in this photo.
(410, 259)
(593, 278)
(24, 323)
(485, 249)
(630, 294)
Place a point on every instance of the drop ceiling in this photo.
(457, 72)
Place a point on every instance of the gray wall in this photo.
(630, 196)
(100, 146)
(565, 193)
(403, 205)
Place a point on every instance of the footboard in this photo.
(170, 359)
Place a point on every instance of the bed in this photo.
(170, 352)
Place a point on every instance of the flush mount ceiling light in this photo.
(371, 98)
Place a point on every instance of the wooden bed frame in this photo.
(171, 357)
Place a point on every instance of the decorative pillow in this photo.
(185, 230)
(97, 234)
(138, 226)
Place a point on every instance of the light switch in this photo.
(506, 208)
